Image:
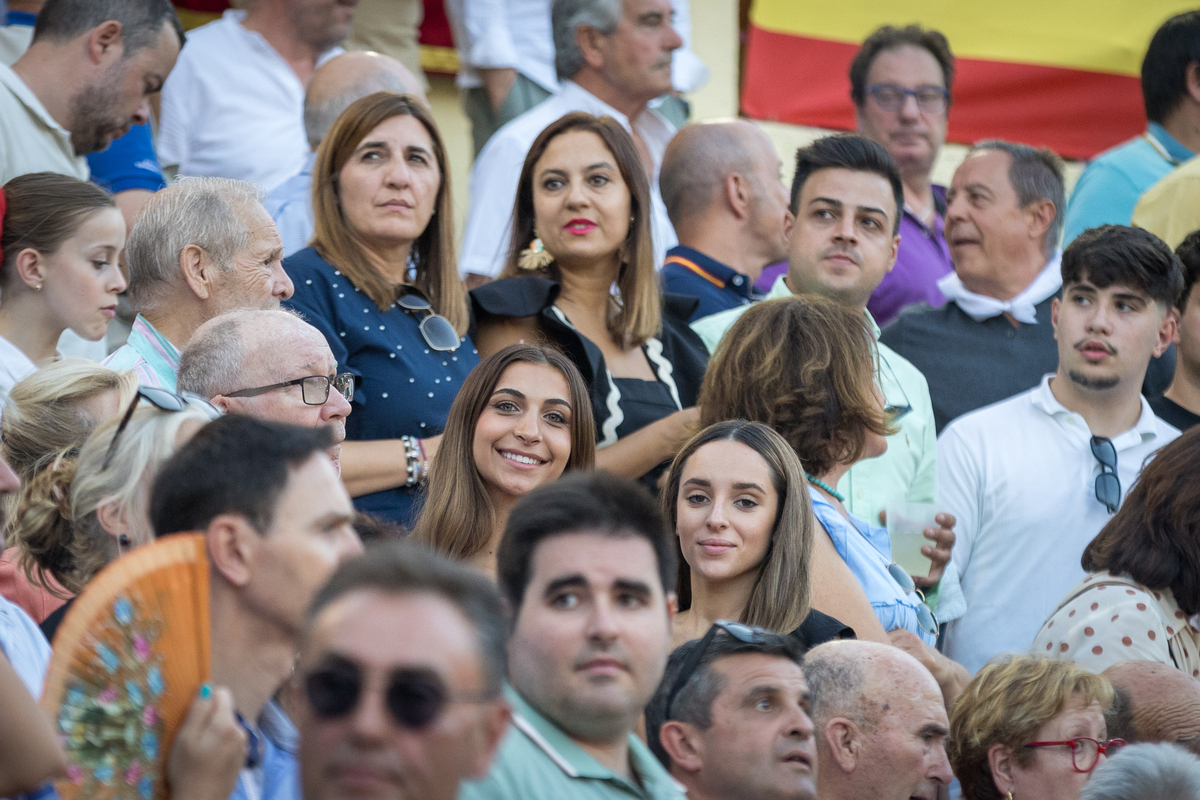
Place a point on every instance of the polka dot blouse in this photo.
(1105, 620)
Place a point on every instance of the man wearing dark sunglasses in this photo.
(731, 717)
(277, 521)
(271, 365)
(400, 675)
(1034, 478)
(585, 565)
(881, 725)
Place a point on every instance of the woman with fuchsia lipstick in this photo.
(737, 499)
(60, 238)
(521, 420)
(379, 281)
(581, 275)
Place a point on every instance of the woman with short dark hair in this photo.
(1140, 599)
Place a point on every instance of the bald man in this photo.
(721, 183)
(271, 365)
(1154, 703)
(880, 723)
(334, 86)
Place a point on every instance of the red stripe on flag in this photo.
(1077, 113)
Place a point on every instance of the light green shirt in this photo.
(537, 761)
(908, 470)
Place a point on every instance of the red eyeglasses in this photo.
(1085, 752)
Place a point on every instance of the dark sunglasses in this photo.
(163, 400)
(314, 389)
(925, 616)
(414, 697)
(1108, 485)
(738, 630)
(437, 331)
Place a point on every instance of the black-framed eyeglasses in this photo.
(1108, 485)
(738, 630)
(163, 400)
(415, 698)
(892, 96)
(436, 330)
(1085, 751)
(925, 616)
(314, 389)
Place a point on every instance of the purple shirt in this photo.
(923, 259)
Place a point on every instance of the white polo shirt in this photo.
(1020, 477)
(30, 139)
(497, 172)
(233, 107)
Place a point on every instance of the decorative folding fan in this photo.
(128, 660)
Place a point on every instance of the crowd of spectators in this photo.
(605, 503)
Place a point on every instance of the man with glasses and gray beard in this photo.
(401, 667)
(1034, 478)
(271, 365)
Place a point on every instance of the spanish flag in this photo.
(1057, 73)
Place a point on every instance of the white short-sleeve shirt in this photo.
(30, 139)
(1019, 475)
(497, 172)
(233, 107)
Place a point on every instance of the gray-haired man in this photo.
(612, 58)
(200, 248)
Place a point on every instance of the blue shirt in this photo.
(290, 205)
(867, 551)
(402, 386)
(1108, 190)
(718, 287)
(275, 773)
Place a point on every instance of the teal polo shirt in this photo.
(1108, 190)
(537, 761)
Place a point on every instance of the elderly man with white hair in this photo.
(269, 364)
(1142, 771)
(200, 248)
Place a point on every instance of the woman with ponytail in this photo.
(87, 508)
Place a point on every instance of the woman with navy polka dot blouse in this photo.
(380, 282)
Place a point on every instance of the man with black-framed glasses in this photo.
(271, 365)
(1034, 478)
(400, 674)
(731, 717)
(900, 82)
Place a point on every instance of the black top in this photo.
(971, 364)
(50, 624)
(1173, 414)
(620, 406)
(819, 628)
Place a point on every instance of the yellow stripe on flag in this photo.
(1094, 35)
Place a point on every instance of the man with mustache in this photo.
(846, 200)
(271, 365)
(900, 83)
(586, 565)
(400, 674)
(612, 57)
(737, 724)
(234, 105)
(85, 80)
(1034, 478)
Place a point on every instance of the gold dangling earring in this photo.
(1009, 797)
(535, 256)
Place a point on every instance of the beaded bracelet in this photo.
(412, 452)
